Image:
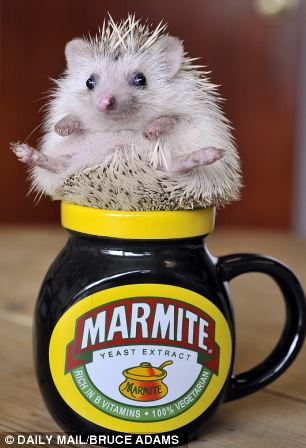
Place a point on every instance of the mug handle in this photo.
(293, 334)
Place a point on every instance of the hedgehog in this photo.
(134, 124)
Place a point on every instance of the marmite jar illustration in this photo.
(134, 328)
(144, 382)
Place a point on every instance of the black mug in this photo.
(134, 329)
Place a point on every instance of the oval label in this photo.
(143, 358)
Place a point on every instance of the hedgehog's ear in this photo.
(75, 51)
(172, 51)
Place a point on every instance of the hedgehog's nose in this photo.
(105, 103)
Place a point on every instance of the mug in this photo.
(134, 327)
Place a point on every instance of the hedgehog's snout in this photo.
(106, 103)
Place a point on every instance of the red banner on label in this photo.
(144, 321)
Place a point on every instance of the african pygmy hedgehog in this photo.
(134, 125)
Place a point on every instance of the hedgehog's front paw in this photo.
(158, 127)
(202, 157)
(153, 132)
(23, 152)
(67, 125)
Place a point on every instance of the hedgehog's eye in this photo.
(91, 82)
(139, 80)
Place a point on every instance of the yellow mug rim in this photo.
(140, 225)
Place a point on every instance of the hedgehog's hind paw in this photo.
(202, 157)
(23, 152)
(31, 156)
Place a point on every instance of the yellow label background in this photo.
(64, 333)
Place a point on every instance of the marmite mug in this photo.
(134, 328)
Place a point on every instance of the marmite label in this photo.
(144, 358)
